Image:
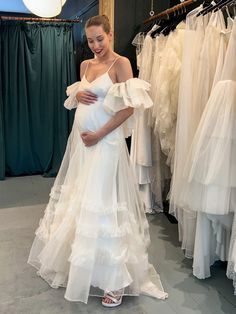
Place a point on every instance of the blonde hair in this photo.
(99, 20)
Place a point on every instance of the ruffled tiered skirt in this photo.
(94, 233)
(211, 165)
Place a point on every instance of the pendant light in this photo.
(45, 8)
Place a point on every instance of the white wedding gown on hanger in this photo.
(211, 166)
(94, 233)
(186, 124)
(141, 152)
(211, 171)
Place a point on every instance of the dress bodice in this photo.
(94, 116)
(98, 86)
(112, 97)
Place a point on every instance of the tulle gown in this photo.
(211, 166)
(141, 137)
(94, 233)
(186, 125)
(165, 87)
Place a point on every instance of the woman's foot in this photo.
(112, 299)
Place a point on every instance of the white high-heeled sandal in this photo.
(116, 299)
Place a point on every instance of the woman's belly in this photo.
(91, 117)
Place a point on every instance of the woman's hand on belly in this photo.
(86, 97)
(90, 138)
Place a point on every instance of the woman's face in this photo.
(98, 40)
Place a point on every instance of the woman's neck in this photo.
(110, 55)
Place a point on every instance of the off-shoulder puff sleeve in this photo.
(132, 93)
(71, 91)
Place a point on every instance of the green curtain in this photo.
(2, 145)
(37, 64)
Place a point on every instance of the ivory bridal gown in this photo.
(94, 235)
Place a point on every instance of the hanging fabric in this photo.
(37, 64)
(202, 195)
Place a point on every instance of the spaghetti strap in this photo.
(113, 63)
(86, 68)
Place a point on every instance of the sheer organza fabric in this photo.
(211, 166)
(94, 233)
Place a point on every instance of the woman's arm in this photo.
(124, 72)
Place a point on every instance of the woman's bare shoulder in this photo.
(83, 66)
(123, 61)
(123, 69)
(84, 63)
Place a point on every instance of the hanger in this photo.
(220, 6)
(169, 11)
(164, 20)
(234, 8)
(217, 6)
(207, 5)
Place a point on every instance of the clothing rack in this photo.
(169, 11)
(34, 19)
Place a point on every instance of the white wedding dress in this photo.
(211, 166)
(141, 152)
(165, 87)
(211, 170)
(94, 233)
(186, 125)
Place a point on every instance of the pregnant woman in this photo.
(94, 235)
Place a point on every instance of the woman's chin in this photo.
(100, 54)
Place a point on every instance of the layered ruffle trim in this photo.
(231, 274)
(129, 270)
(86, 204)
(102, 256)
(83, 214)
(132, 93)
(115, 256)
(90, 231)
(113, 267)
(71, 91)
